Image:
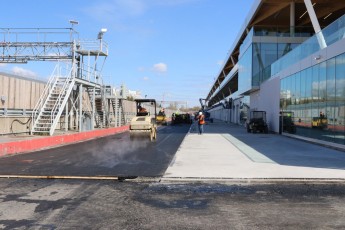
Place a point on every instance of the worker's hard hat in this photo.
(200, 113)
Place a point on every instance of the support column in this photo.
(232, 60)
(66, 116)
(120, 114)
(71, 118)
(93, 108)
(292, 18)
(116, 112)
(219, 83)
(224, 74)
(316, 25)
(80, 107)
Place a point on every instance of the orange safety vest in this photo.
(201, 120)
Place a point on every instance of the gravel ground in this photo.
(145, 203)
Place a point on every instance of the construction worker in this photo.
(322, 115)
(142, 111)
(161, 112)
(201, 122)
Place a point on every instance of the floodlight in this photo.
(74, 22)
(101, 33)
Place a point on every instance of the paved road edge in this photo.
(15, 147)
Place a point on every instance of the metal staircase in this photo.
(96, 100)
(118, 112)
(64, 94)
(100, 114)
(48, 110)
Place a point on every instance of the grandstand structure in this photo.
(287, 60)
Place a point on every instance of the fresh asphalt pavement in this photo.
(115, 155)
(96, 204)
(224, 151)
(146, 203)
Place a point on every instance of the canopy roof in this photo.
(276, 13)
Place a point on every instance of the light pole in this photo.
(72, 22)
(101, 34)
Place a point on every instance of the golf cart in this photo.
(257, 122)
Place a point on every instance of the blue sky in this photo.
(167, 49)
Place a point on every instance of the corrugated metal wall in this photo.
(19, 93)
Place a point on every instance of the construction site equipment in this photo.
(287, 123)
(257, 122)
(144, 123)
(319, 122)
(183, 118)
(162, 118)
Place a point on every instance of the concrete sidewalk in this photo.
(228, 152)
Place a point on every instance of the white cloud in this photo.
(146, 78)
(3, 64)
(172, 2)
(132, 7)
(160, 68)
(117, 9)
(23, 72)
(141, 69)
(220, 63)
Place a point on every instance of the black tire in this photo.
(155, 134)
(151, 133)
(248, 129)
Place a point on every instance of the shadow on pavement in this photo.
(281, 149)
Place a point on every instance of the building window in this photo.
(313, 101)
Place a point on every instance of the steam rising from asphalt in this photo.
(121, 151)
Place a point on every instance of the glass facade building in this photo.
(258, 52)
(331, 34)
(313, 101)
(291, 68)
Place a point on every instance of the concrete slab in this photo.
(229, 152)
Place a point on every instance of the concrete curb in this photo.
(30, 145)
(176, 180)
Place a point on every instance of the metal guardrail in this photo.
(20, 45)
(332, 33)
(16, 112)
(98, 46)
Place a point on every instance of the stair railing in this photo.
(37, 111)
(62, 99)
